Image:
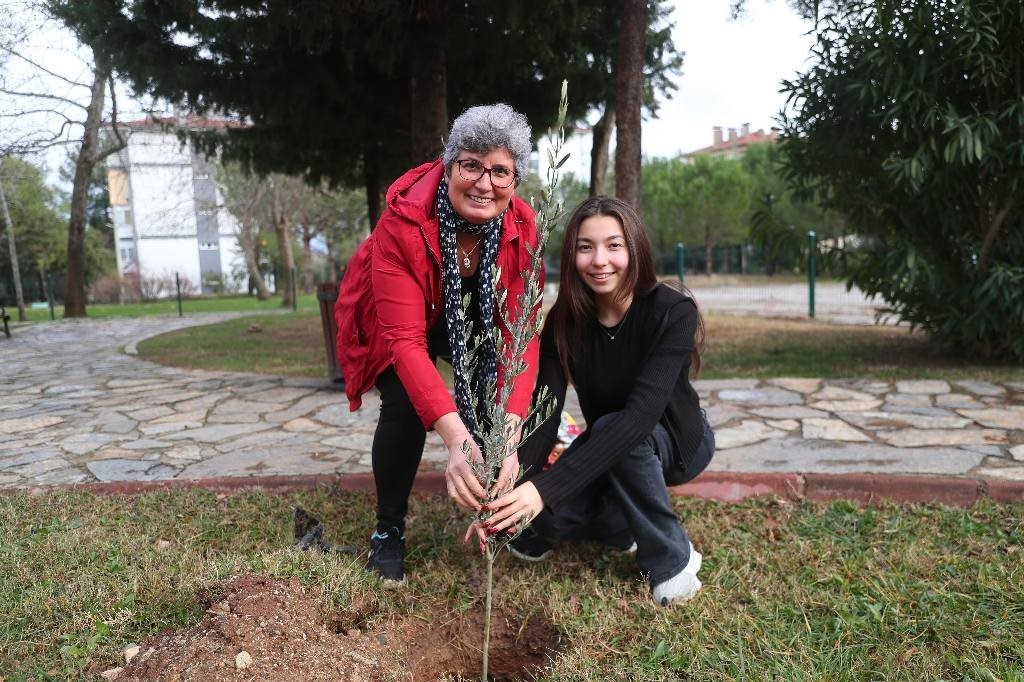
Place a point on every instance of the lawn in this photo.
(292, 345)
(793, 591)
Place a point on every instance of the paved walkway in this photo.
(75, 407)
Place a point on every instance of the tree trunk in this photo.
(247, 240)
(708, 252)
(19, 295)
(282, 227)
(428, 85)
(602, 137)
(628, 99)
(332, 267)
(74, 295)
(307, 261)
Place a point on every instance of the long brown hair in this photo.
(575, 302)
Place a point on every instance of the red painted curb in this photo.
(1007, 492)
(727, 486)
(722, 486)
(868, 488)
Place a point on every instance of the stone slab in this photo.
(915, 438)
(1009, 417)
(957, 400)
(875, 420)
(788, 412)
(794, 455)
(846, 405)
(273, 462)
(981, 387)
(121, 470)
(26, 424)
(1017, 452)
(837, 393)
(1011, 473)
(749, 431)
(711, 385)
(761, 396)
(832, 429)
(719, 414)
(908, 400)
(923, 387)
(798, 385)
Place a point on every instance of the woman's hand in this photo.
(509, 471)
(463, 486)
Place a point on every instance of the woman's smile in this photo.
(601, 254)
(479, 201)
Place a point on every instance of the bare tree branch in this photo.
(39, 67)
(40, 95)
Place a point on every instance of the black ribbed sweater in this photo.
(639, 378)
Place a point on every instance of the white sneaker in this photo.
(683, 585)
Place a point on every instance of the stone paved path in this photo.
(75, 407)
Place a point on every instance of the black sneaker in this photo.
(530, 546)
(387, 556)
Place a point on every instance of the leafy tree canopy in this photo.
(910, 120)
(325, 85)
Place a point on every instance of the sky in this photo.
(731, 72)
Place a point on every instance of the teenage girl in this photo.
(628, 345)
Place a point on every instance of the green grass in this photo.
(765, 348)
(792, 591)
(286, 344)
(736, 347)
(208, 304)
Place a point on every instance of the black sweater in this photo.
(639, 378)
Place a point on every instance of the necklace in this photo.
(466, 262)
(615, 332)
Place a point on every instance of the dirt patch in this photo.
(257, 628)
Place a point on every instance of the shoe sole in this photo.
(392, 584)
(526, 557)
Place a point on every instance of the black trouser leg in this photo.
(397, 450)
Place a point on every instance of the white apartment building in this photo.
(168, 213)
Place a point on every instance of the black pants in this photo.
(397, 450)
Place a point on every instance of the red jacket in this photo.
(391, 295)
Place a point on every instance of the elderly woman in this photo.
(447, 224)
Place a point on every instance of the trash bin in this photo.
(327, 294)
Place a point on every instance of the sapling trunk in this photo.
(498, 436)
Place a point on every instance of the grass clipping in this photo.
(497, 435)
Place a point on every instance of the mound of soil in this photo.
(257, 628)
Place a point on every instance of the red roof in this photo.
(739, 142)
(189, 122)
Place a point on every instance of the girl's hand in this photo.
(509, 510)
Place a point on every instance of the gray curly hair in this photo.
(484, 128)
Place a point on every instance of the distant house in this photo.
(735, 145)
(168, 213)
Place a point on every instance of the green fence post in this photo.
(680, 262)
(812, 246)
(177, 286)
(49, 296)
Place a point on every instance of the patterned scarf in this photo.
(486, 369)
